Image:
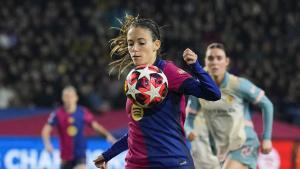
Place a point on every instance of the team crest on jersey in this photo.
(137, 113)
(229, 99)
(72, 130)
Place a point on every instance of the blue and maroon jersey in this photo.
(70, 127)
(156, 136)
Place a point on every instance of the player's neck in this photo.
(219, 79)
(70, 108)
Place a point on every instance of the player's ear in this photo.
(157, 44)
(227, 60)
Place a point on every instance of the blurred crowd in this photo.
(45, 45)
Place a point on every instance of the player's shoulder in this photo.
(84, 109)
(232, 81)
(58, 110)
(244, 86)
(237, 81)
(244, 82)
(171, 68)
(168, 64)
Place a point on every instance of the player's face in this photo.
(69, 97)
(141, 47)
(216, 61)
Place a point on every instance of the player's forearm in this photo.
(189, 123)
(101, 130)
(117, 148)
(204, 87)
(267, 108)
(46, 134)
(192, 108)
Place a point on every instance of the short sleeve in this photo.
(52, 119)
(88, 116)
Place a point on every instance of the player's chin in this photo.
(138, 63)
(215, 72)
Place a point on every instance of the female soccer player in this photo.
(70, 120)
(223, 129)
(157, 140)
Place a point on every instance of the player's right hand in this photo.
(192, 136)
(100, 162)
(266, 146)
(189, 56)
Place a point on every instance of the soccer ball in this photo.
(146, 86)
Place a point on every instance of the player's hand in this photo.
(100, 162)
(49, 147)
(104, 166)
(189, 56)
(111, 138)
(192, 136)
(266, 146)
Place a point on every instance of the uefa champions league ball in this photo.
(146, 86)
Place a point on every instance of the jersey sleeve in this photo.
(175, 76)
(88, 116)
(192, 108)
(249, 91)
(117, 148)
(257, 96)
(201, 85)
(52, 119)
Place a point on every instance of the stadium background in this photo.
(45, 45)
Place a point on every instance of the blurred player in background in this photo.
(223, 130)
(156, 140)
(70, 120)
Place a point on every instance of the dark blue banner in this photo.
(29, 153)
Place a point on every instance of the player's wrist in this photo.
(196, 67)
(108, 136)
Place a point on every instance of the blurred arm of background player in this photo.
(46, 132)
(103, 132)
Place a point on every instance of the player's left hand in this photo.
(189, 56)
(266, 146)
